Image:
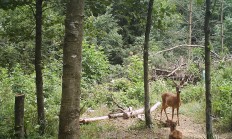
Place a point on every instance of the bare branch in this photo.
(201, 46)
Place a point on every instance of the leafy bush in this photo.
(158, 88)
(192, 93)
(134, 68)
(19, 82)
(103, 31)
(122, 84)
(95, 64)
(222, 96)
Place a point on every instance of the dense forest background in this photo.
(112, 57)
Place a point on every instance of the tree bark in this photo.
(222, 27)
(190, 29)
(209, 132)
(69, 127)
(38, 68)
(145, 65)
(19, 116)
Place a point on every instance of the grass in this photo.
(195, 110)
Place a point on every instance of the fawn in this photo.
(172, 100)
(175, 134)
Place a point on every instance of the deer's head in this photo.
(179, 86)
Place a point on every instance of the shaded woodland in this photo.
(114, 56)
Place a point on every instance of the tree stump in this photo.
(19, 116)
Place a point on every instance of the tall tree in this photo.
(207, 72)
(190, 29)
(222, 27)
(145, 65)
(38, 67)
(70, 103)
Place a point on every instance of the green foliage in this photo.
(15, 24)
(136, 92)
(11, 4)
(195, 110)
(20, 81)
(228, 32)
(192, 93)
(121, 84)
(131, 16)
(134, 68)
(6, 105)
(157, 88)
(95, 64)
(222, 96)
(164, 12)
(103, 31)
(17, 81)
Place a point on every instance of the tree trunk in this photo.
(19, 116)
(209, 132)
(190, 29)
(145, 65)
(222, 27)
(38, 68)
(69, 127)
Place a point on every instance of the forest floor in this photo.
(133, 128)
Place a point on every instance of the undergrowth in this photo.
(126, 91)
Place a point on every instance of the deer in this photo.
(174, 134)
(172, 100)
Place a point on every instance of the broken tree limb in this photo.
(115, 115)
(88, 120)
(155, 106)
(175, 70)
(124, 114)
(139, 111)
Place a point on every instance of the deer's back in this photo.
(175, 135)
(170, 99)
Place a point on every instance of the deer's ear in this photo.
(174, 83)
(183, 80)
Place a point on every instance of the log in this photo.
(139, 111)
(155, 106)
(88, 120)
(115, 115)
(124, 114)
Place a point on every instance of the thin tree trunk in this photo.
(145, 65)
(222, 28)
(38, 68)
(190, 29)
(19, 116)
(209, 131)
(69, 127)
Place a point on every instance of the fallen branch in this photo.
(139, 111)
(175, 70)
(155, 106)
(88, 120)
(124, 114)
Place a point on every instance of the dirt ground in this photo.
(129, 129)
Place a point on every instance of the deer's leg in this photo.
(161, 113)
(166, 113)
(172, 112)
(178, 116)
